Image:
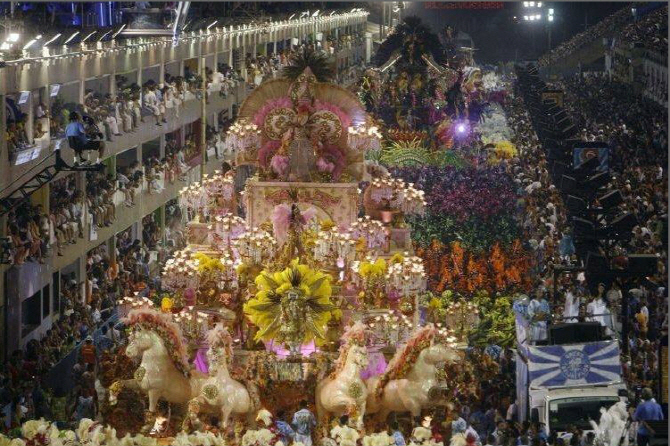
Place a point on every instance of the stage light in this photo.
(119, 31)
(291, 18)
(532, 4)
(525, 4)
(461, 128)
(32, 42)
(13, 37)
(104, 35)
(69, 39)
(525, 17)
(86, 38)
(538, 17)
(551, 10)
(550, 18)
(539, 4)
(52, 39)
(316, 14)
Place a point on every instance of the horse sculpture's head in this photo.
(139, 342)
(358, 356)
(438, 353)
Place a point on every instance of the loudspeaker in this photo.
(596, 263)
(622, 225)
(575, 205)
(643, 264)
(611, 199)
(578, 333)
(568, 184)
(597, 181)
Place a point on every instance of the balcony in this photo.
(27, 159)
(145, 203)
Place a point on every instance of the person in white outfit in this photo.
(571, 307)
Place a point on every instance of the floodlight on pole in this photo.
(104, 35)
(119, 31)
(13, 37)
(32, 42)
(69, 39)
(89, 35)
(53, 39)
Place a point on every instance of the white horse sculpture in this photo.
(219, 390)
(344, 392)
(164, 371)
(410, 375)
(612, 426)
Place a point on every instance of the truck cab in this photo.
(560, 409)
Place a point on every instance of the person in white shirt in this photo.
(571, 307)
(151, 102)
(598, 311)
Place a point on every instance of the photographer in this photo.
(79, 141)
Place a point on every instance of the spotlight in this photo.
(69, 39)
(13, 37)
(87, 36)
(119, 31)
(104, 35)
(550, 18)
(53, 39)
(460, 128)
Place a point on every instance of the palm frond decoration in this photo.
(411, 30)
(319, 63)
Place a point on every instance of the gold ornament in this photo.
(355, 390)
(139, 373)
(210, 391)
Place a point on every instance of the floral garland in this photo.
(169, 332)
(353, 335)
(406, 357)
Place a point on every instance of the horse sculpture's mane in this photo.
(169, 332)
(406, 356)
(219, 337)
(354, 335)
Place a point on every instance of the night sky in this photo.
(498, 38)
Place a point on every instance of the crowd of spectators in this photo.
(100, 190)
(28, 228)
(606, 27)
(261, 68)
(67, 216)
(650, 32)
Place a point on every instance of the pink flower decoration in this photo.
(324, 166)
(279, 164)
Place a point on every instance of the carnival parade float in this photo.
(350, 273)
(314, 295)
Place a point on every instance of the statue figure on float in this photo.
(344, 392)
(410, 375)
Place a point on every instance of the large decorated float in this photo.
(310, 296)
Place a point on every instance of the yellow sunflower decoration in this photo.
(291, 306)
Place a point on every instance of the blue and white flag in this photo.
(574, 365)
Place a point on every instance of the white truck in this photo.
(566, 385)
